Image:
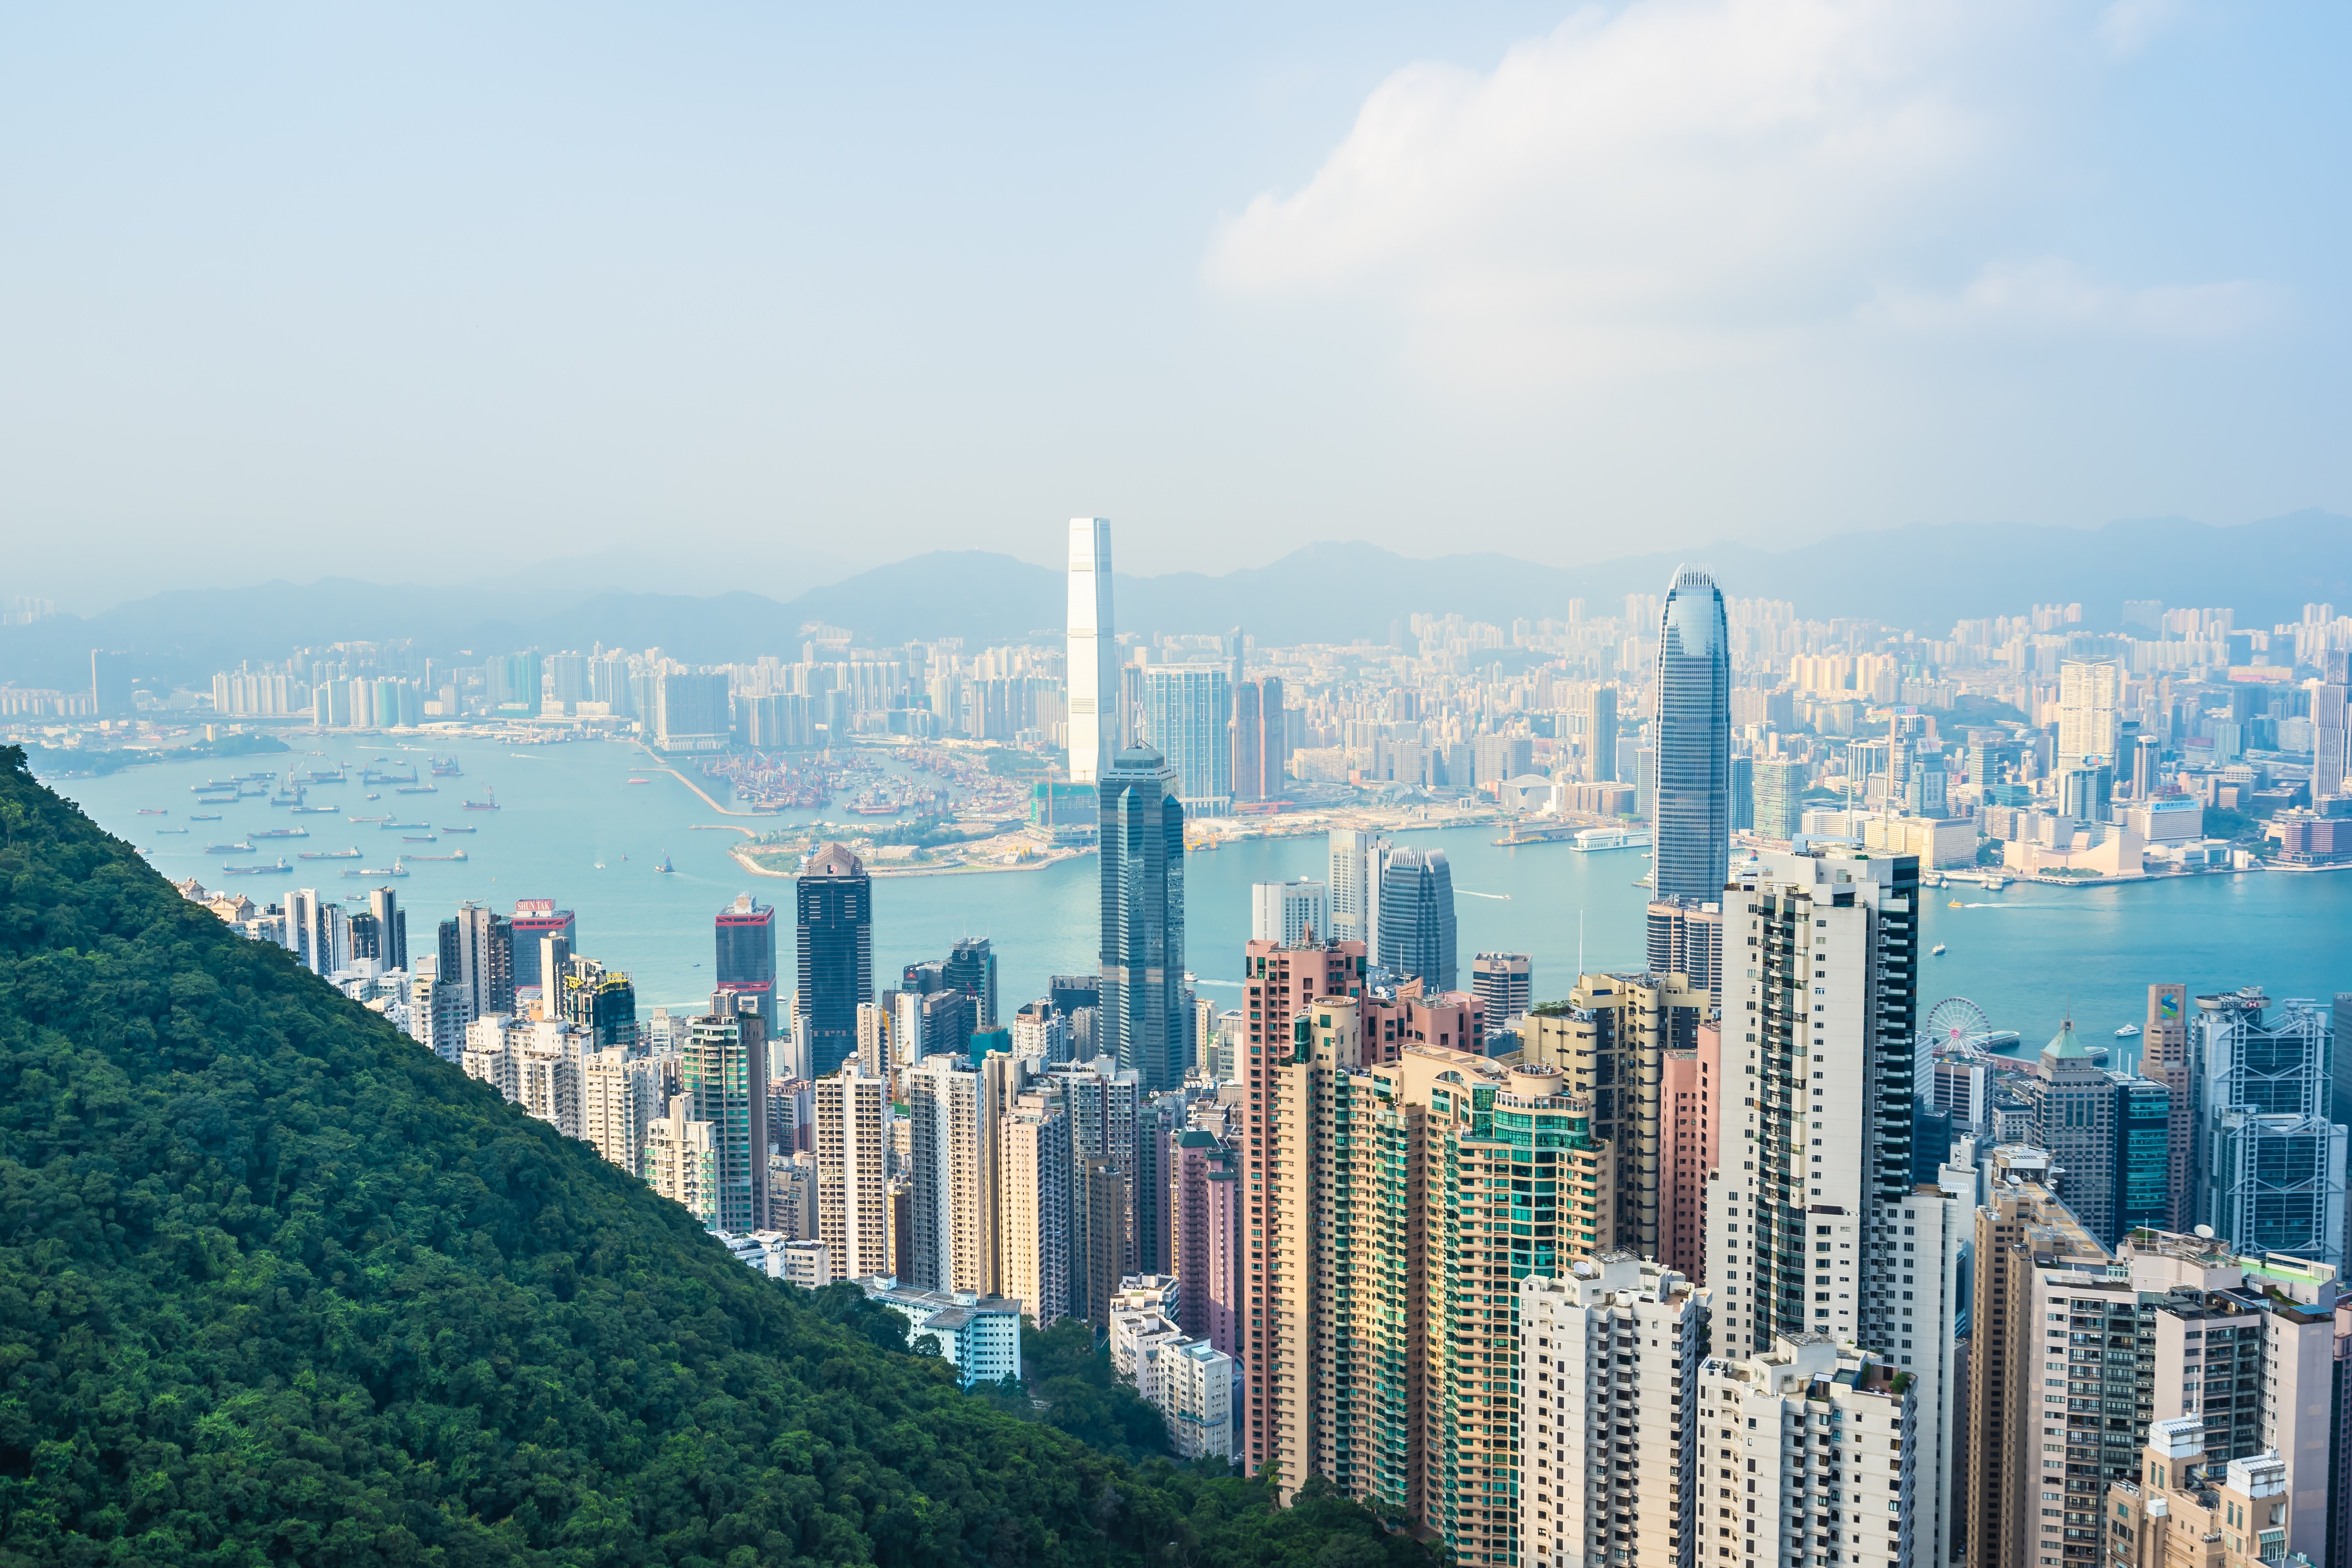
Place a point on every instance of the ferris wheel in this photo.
(1955, 1024)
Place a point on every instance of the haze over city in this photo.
(765, 296)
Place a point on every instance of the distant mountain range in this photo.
(1925, 577)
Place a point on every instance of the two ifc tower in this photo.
(1691, 733)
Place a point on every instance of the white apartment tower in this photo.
(2090, 691)
(1096, 713)
(1806, 1456)
(1033, 1196)
(852, 1195)
(1609, 1440)
(1820, 996)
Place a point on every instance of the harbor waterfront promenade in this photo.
(570, 828)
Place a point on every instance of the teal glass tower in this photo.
(1692, 736)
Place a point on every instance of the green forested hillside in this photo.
(277, 1286)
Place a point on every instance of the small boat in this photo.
(351, 854)
(154, 811)
(461, 830)
(640, 781)
(256, 870)
(375, 794)
(214, 817)
(228, 848)
(665, 865)
(2128, 1032)
(1937, 950)
(1954, 904)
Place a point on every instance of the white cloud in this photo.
(2128, 27)
(1679, 183)
(2053, 296)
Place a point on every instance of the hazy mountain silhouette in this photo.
(1925, 577)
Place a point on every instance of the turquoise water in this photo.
(572, 830)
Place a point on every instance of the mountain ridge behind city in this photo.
(1924, 576)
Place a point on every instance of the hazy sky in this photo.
(437, 292)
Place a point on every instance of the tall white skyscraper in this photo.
(1358, 860)
(1097, 720)
(2089, 692)
(1287, 911)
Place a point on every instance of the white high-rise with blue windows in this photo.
(1691, 736)
(1186, 709)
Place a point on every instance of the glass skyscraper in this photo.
(1416, 931)
(1185, 713)
(1692, 737)
(834, 902)
(1141, 1018)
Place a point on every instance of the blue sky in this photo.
(735, 293)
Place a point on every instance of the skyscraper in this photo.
(533, 920)
(834, 901)
(2077, 1121)
(1096, 722)
(2163, 1057)
(746, 933)
(1692, 737)
(851, 1153)
(391, 928)
(1261, 741)
(1035, 1192)
(1685, 937)
(1817, 1060)
(2089, 692)
(1504, 983)
(1287, 913)
(970, 968)
(1780, 798)
(477, 952)
(723, 1080)
(2270, 1163)
(1142, 1023)
(1185, 709)
(1355, 879)
(1416, 931)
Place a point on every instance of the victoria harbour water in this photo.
(572, 828)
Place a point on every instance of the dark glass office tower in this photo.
(1692, 736)
(1417, 919)
(835, 904)
(970, 968)
(1142, 1021)
(747, 953)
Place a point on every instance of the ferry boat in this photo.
(665, 865)
(351, 854)
(256, 870)
(1596, 838)
(228, 848)
(281, 833)
(2128, 1032)
(490, 805)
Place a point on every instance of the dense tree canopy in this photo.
(277, 1286)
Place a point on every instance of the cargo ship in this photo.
(316, 810)
(418, 789)
(444, 768)
(461, 830)
(154, 811)
(281, 833)
(372, 818)
(490, 805)
(390, 826)
(460, 855)
(351, 854)
(416, 838)
(219, 800)
(256, 870)
(228, 848)
(395, 869)
(214, 817)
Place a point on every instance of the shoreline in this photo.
(737, 854)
